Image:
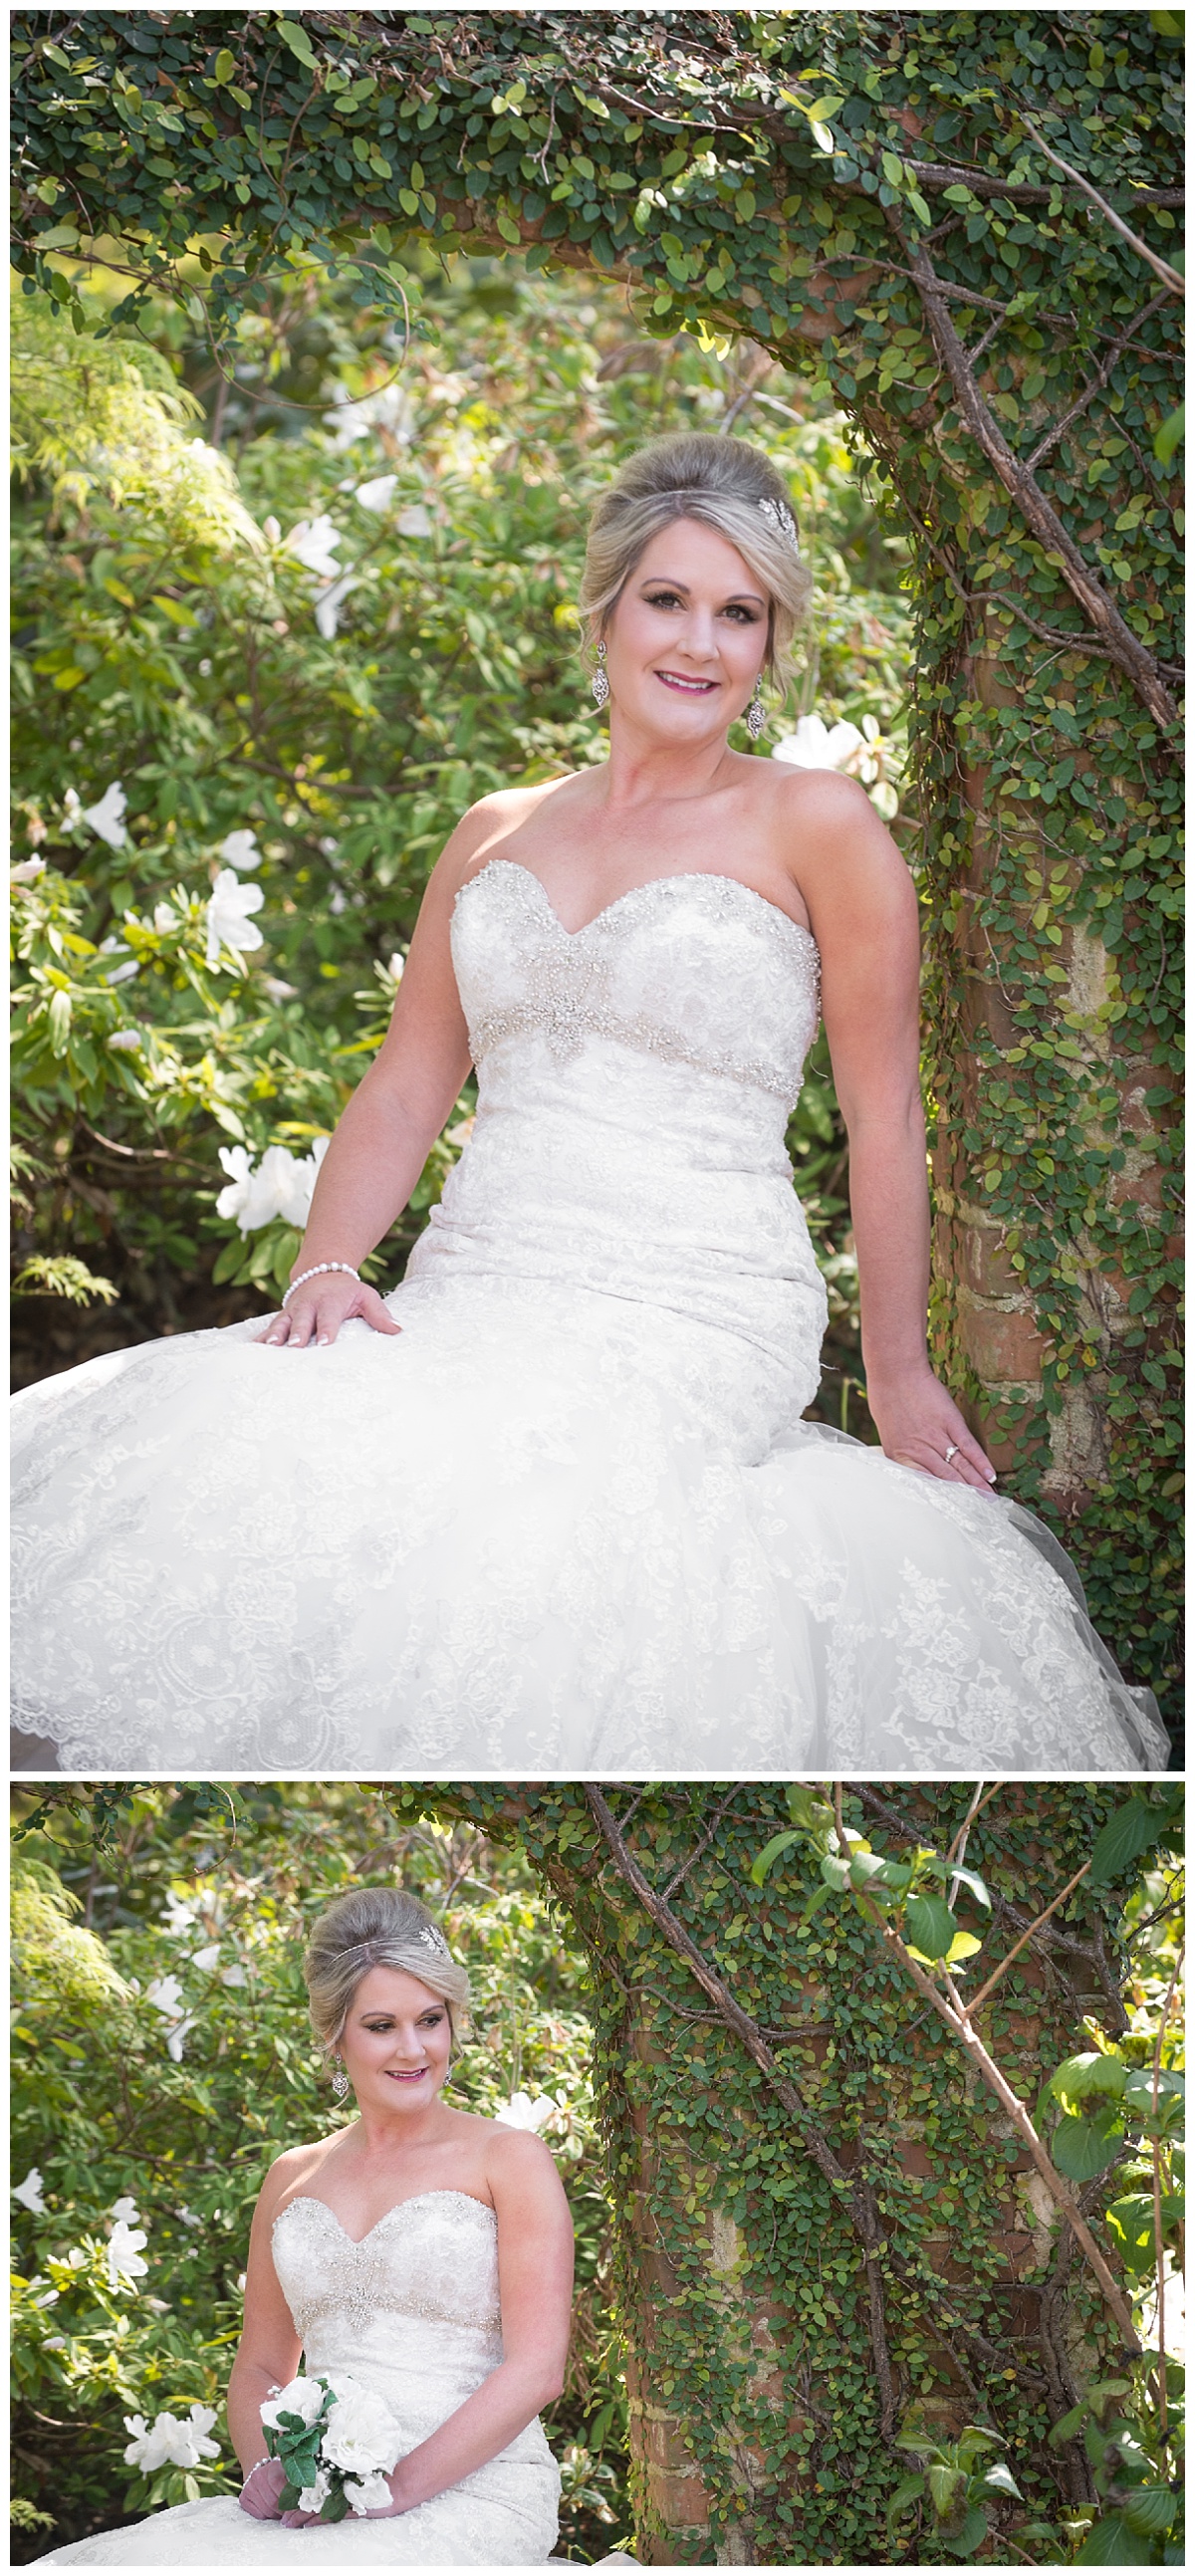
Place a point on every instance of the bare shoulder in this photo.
(518, 2164)
(823, 804)
(495, 818)
(295, 2166)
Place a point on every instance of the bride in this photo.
(553, 1502)
(423, 2253)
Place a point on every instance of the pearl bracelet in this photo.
(263, 2463)
(316, 1272)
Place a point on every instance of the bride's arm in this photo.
(535, 2273)
(268, 2352)
(863, 909)
(382, 1140)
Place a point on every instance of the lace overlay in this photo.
(571, 1519)
(413, 2312)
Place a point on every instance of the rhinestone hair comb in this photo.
(783, 521)
(433, 1940)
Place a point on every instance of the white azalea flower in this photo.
(178, 1919)
(180, 2440)
(301, 2397)
(28, 872)
(205, 1960)
(125, 2259)
(522, 2113)
(30, 2192)
(271, 531)
(366, 2495)
(166, 1996)
(390, 408)
(72, 811)
(177, 2035)
(414, 522)
(313, 543)
(815, 745)
(376, 495)
(314, 2496)
(127, 1041)
(329, 603)
(281, 1185)
(241, 850)
(125, 2210)
(395, 966)
(233, 1977)
(107, 818)
(190, 2217)
(228, 915)
(277, 990)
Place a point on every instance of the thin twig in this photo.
(1161, 267)
(1097, 383)
(974, 2001)
(704, 1843)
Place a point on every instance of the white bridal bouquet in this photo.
(337, 2443)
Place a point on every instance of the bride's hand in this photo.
(318, 1309)
(918, 1423)
(261, 2490)
(296, 2521)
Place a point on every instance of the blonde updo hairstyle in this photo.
(376, 1927)
(721, 482)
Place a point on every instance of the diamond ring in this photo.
(952, 1452)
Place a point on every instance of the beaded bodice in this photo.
(433, 2258)
(697, 970)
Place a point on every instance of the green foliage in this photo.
(957, 2483)
(1117, 2420)
(163, 2057)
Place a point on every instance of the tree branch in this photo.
(1120, 645)
(1175, 284)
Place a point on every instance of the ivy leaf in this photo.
(298, 40)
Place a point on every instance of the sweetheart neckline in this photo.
(443, 2193)
(678, 876)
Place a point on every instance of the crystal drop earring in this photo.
(757, 714)
(600, 683)
(340, 2082)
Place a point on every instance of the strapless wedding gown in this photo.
(572, 1521)
(412, 2312)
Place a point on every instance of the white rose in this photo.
(367, 2495)
(301, 2397)
(360, 2434)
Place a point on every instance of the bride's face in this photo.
(396, 2042)
(687, 637)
